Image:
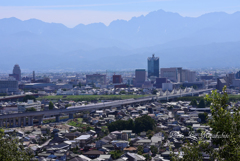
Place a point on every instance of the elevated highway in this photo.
(23, 119)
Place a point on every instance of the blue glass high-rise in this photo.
(153, 66)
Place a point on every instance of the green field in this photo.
(91, 97)
(78, 123)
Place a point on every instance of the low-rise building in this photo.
(22, 107)
(84, 140)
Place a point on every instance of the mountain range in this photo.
(211, 40)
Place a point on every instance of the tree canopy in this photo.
(154, 150)
(31, 109)
(116, 154)
(194, 103)
(143, 123)
(29, 97)
(121, 125)
(51, 106)
(203, 117)
(201, 104)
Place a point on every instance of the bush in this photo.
(30, 109)
(116, 154)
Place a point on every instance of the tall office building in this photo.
(153, 66)
(174, 74)
(188, 76)
(140, 77)
(9, 86)
(117, 79)
(16, 72)
(229, 78)
(96, 78)
(237, 75)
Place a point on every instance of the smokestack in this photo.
(34, 75)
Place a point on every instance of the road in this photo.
(74, 109)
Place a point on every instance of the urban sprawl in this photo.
(114, 115)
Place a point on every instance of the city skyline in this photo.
(120, 80)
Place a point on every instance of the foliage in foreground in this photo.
(225, 124)
(12, 149)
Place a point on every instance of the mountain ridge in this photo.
(158, 31)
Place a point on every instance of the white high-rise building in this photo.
(16, 73)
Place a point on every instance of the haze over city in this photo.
(122, 80)
(102, 33)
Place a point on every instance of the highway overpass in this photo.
(23, 119)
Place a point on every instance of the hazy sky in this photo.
(73, 12)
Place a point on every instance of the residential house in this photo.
(92, 154)
(83, 140)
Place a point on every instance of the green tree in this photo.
(51, 106)
(140, 150)
(148, 157)
(194, 103)
(225, 122)
(201, 104)
(12, 149)
(30, 109)
(154, 150)
(116, 154)
(191, 152)
(208, 103)
(203, 117)
(121, 125)
(1, 132)
(122, 92)
(29, 97)
(88, 128)
(144, 123)
(154, 91)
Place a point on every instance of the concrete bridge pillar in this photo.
(30, 121)
(71, 116)
(6, 123)
(19, 121)
(40, 119)
(14, 122)
(24, 121)
(57, 118)
(9, 123)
